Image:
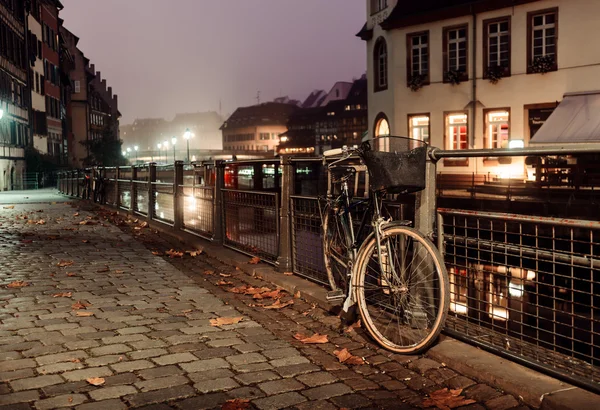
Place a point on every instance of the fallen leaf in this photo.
(70, 399)
(87, 222)
(18, 284)
(288, 273)
(104, 269)
(63, 295)
(241, 289)
(353, 326)
(53, 238)
(9, 207)
(79, 305)
(236, 404)
(174, 254)
(224, 283)
(71, 274)
(64, 263)
(85, 241)
(75, 361)
(143, 224)
(118, 272)
(41, 222)
(225, 321)
(76, 214)
(186, 311)
(254, 261)
(253, 291)
(279, 305)
(157, 253)
(225, 275)
(314, 339)
(274, 294)
(445, 399)
(96, 381)
(344, 356)
(84, 314)
(120, 358)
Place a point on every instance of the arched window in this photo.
(382, 129)
(380, 64)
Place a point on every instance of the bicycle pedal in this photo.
(335, 295)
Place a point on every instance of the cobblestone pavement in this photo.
(122, 311)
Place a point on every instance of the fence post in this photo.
(285, 238)
(425, 203)
(178, 195)
(78, 184)
(218, 227)
(117, 190)
(133, 188)
(151, 179)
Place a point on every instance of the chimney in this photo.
(104, 85)
(92, 68)
(109, 92)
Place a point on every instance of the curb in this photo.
(535, 389)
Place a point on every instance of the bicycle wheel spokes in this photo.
(402, 291)
(337, 251)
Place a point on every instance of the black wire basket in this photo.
(397, 166)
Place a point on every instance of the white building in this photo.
(479, 74)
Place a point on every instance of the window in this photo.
(378, 5)
(77, 86)
(418, 127)
(497, 129)
(418, 58)
(456, 131)
(382, 129)
(542, 36)
(455, 53)
(264, 136)
(37, 82)
(380, 64)
(496, 45)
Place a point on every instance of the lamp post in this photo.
(159, 145)
(135, 148)
(166, 145)
(187, 135)
(174, 141)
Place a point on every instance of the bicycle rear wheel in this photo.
(337, 249)
(402, 291)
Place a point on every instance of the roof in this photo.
(269, 113)
(195, 117)
(343, 87)
(408, 13)
(314, 99)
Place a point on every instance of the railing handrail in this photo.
(565, 149)
(275, 194)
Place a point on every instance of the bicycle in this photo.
(395, 277)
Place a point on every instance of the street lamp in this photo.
(166, 146)
(187, 135)
(135, 148)
(159, 145)
(1, 113)
(174, 141)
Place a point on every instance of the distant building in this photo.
(257, 127)
(14, 97)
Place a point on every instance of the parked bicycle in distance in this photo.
(391, 272)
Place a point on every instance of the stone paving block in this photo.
(78, 330)
(351, 401)
(18, 406)
(247, 358)
(35, 382)
(133, 330)
(253, 367)
(256, 377)
(162, 383)
(281, 353)
(83, 374)
(148, 344)
(212, 374)
(326, 392)
(279, 401)
(206, 353)
(202, 402)
(66, 400)
(103, 360)
(16, 374)
(10, 356)
(113, 392)
(160, 396)
(11, 365)
(280, 386)
(481, 393)
(122, 378)
(146, 354)
(20, 397)
(225, 342)
(502, 403)
(297, 369)
(174, 358)
(113, 404)
(131, 366)
(423, 365)
(288, 361)
(81, 344)
(66, 388)
(124, 339)
(216, 385)
(61, 357)
(246, 392)
(316, 405)
(43, 350)
(204, 365)
(317, 379)
(162, 371)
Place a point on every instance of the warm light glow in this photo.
(416, 121)
(128, 149)
(284, 139)
(187, 135)
(159, 145)
(516, 144)
(383, 128)
(515, 288)
(457, 119)
(498, 116)
(509, 171)
(193, 158)
(498, 313)
(458, 307)
(190, 203)
(173, 140)
(136, 148)
(166, 144)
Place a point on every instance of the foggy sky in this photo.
(165, 57)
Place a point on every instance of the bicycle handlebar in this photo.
(333, 152)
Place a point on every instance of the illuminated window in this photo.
(419, 127)
(382, 128)
(456, 131)
(497, 129)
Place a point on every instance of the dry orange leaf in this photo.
(76, 214)
(156, 253)
(288, 273)
(279, 305)
(225, 321)
(41, 222)
(275, 294)
(194, 253)
(64, 263)
(85, 241)
(84, 314)
(96, 381)
(314, 339)
(104, 269)
(63, 295)
(225, 275)
(118, 272)
(174, 254)
(224, 283)
(143, 224)
(79, 305)
(236, 404)
(75, 361)
(445, 399)
(209, 272)
(18, 284)
(71, 274)
(253, 291)
(353, 326)
(87, 222)
(344, 356)
(254, 261)
(240, 289)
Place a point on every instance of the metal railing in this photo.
(524, 287)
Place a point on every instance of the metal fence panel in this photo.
(198, 209)
(110, 185)
(307, 244)
(251, 222)
(528, 287)
(164, 206)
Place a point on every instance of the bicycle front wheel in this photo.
(402, 290)
(337, 249)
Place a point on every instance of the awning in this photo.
(575, 120)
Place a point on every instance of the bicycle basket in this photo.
(397, 172)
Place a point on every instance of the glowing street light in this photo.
(187, 135)
(135, 148)
(159, 145)
(1, 113)
(166, 147)
(174, 141)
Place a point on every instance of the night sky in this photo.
(165, 57)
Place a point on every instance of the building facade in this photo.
(14, 94)
(476, 74)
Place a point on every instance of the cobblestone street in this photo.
(98, 315)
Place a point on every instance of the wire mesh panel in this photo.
(110, 175)
(528, 286)
(251, 222)
(140, 203)
(124, 182)
(198, 209)
(307, 244)
(164, 207)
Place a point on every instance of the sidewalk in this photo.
(120, 324)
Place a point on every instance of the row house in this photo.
(480, 73)
(14, 96)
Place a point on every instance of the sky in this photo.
(167, 57)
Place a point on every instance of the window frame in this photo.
(376, 65)
(378, 6)
(445, 44)
(506, 72)
(416, 115)
(455, 162)
(486, 137)
(530, 16)
(409, 56)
